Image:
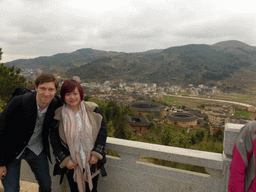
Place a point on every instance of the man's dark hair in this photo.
(47, 78)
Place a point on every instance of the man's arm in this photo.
(8, 118)
(4, 119)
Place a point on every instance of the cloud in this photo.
(32, 28)
(237, 28)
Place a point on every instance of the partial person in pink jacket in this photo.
(242, 168)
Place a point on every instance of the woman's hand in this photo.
(70, 164)
(93, 159)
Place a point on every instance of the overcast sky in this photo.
(32, 28)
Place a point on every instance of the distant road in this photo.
(232, 102)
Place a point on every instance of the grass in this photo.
(170, 98)
(184, 94)
(242, 114)
(242, 97)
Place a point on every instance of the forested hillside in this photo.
(221, 64)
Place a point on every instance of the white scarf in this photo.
(77, 140)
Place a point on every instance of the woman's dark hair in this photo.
(68, 86)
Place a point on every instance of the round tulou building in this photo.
(185, 120)
(149, 108)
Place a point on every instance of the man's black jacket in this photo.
(17, 124)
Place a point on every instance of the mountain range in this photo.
(229, 65)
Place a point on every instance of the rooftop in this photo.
(146, 106)
(138, 120)
(181, 116)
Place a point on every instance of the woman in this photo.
(78, 137)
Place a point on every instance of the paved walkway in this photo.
(25, 186)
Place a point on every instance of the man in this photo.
(242, 168)
(24, 129)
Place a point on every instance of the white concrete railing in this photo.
(127, 174)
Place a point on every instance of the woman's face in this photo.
(73, 99)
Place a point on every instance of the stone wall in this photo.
(131, 173)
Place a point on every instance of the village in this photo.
(139, 97)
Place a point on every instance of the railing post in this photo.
(230, 134)
(217, 178)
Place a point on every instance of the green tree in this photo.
(9, 80)
(166, 135)
(2, 105)
(150, 117)
(201, 106)
(87, 98)
(193, 139)
(211, 145)
(175, 122)
(126, 110)
(219, 134)
(115, 118)
(112, 111)
(110, 129)
(102, 106)
(122, 129)
(200, 135)
(181, 140)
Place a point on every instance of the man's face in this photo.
(45, 93)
